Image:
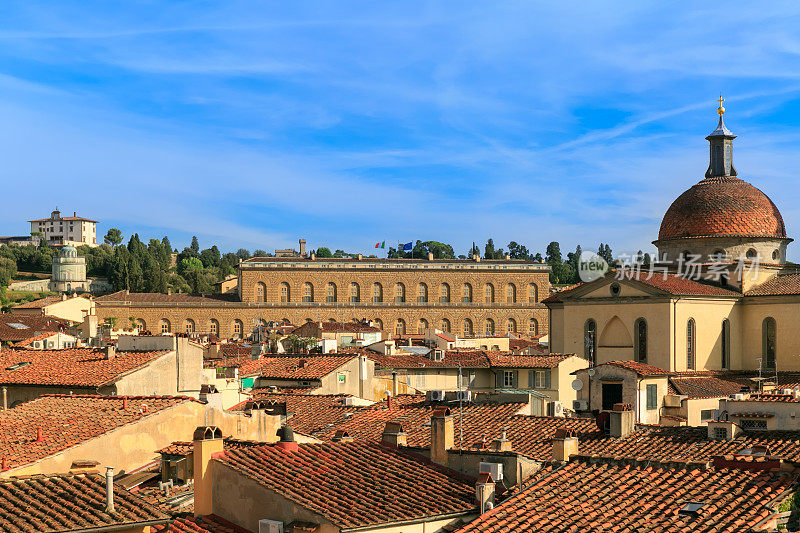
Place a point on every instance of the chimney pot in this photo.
(442, 434)
(430, 256)
(125, 403)
(5, 463)
(39, 436)
(110, 352)
(360, 257)
(620, 421)
(485, 492)
(109, 490)
(393, 434)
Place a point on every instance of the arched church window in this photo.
(640, 342)
(768, 342)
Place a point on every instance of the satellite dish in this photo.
(591, 372)
(577, 384)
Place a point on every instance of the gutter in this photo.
(121, 527)
(420, 520)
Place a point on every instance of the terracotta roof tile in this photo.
(643, 369)
(68, 420)
(779, 285)
(625, 498)
(155, 298)
(722, 206)
(31, 340)
(76, 367)
(469, 358)
(200, 524)
(288, 366)
(69, 502)
(41, 303)
(15, 328)
(356, 484)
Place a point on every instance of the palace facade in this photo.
(405, 296)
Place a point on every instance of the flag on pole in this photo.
(381, 244)
(407, 247)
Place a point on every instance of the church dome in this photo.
(722, 206)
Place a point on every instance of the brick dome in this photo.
(722, 206)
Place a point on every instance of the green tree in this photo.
(8, 269)
(322, 251)
(195, 246)
(604, 251)
(474, 251)
(517, 251)
(488, 250)
(242, 254)
(210, 257)
(553, 254)
(188, 264)
(113, 237)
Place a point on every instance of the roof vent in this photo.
(207, 433)
(17, 366)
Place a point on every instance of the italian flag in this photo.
(380, 244)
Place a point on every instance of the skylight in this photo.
(17, 325)
(17, 366)
(691, 508)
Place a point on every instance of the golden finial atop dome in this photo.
(720, 109)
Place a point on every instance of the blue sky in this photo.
(251, 124)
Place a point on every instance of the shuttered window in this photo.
(652, 397)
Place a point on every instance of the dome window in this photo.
(776, 255)
(615, 289)
(752, 254)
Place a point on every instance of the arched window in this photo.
(769, 339)
(399, 293)
(752, 254)
(286, 292)
(238, 328)
(445, 325)
(331, 292)
(308, 292)
(511, 293)
(590, 340)
(141, 325)
(422, 326)
(189, 325)
(467, 327)
(261, 292)
(640, 342)
(444, 293)
(776, 255)
(422, 293)
(309, 320)
(489, 293)
(690, 344)
(377, 293)
(355, 292)
(166, 327)
(489, 326)
(533, 293)
(213, 327)
(533, 326)
(400, 327)
(466, 293)
(378, 323)
(511, 325)
(726, 344)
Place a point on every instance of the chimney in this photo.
(75, 213)
(442, 434)
(313, 256)
(207, 443)
(110, 352)
(476, 258)
(502, 444)
(565, 444)
(430, 256)
(393, 435)
(302, 247)
(5, 399)
(125, 403)
(109, 490)
(723, 430)
(39, 436)
(389, 403)
(287, 442)
(4, 464)
(360, 257)
(508, 257)
(484, 492)
(621, 420)
(83, 466)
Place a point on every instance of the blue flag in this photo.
(407, 247)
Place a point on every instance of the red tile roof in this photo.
(643, 369)
(468, 358)
(73, 367)
(703, 386)
(200, 524)
(185, 448)
(308, 414)
(348, 327)
(615, 497)
(356, 484)
(69, 502)
(31, 340)
(41, 303)
(290, 367)
(69, 420)
(14, 328)
(722, 206)
(779, 285)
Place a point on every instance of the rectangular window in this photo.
(539, 379)
(508, 379)
(341, 377)
(753, 424)
(706, 415)
(652, 397)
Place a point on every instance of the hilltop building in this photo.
(59, 231)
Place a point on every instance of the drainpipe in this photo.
(674, 334)
(5, 399)
(109, 490)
